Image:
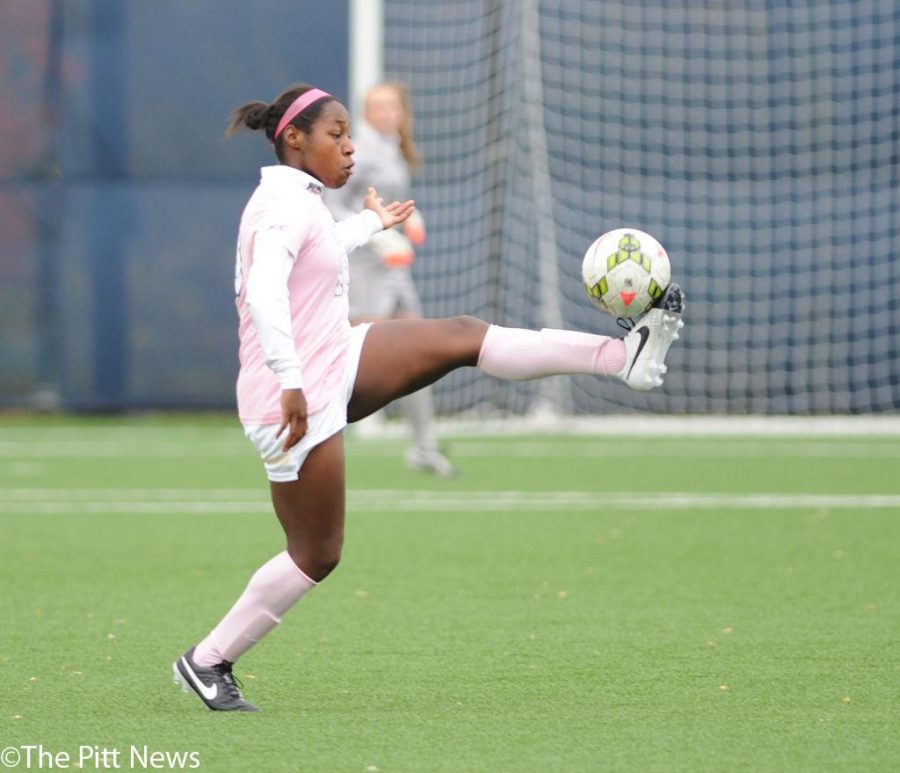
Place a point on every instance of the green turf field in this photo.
(568, 604)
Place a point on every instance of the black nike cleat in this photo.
(216, 686)
(648, 342)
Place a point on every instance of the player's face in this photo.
(384, 110)
(327, 152)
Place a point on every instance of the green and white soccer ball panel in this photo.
(625, 271)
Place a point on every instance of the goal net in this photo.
(758, 141)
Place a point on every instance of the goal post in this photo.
(366, 60)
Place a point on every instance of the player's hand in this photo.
(391, 214)
(293, 417)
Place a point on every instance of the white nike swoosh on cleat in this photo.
(210, 692)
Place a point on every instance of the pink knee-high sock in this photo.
(273, 589)
(517, 355)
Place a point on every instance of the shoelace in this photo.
(233, 685)
(672, 301)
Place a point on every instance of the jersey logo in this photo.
(343, 280)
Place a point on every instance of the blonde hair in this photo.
(408, 147)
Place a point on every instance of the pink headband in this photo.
(298, 106)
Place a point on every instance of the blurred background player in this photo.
(382, 283)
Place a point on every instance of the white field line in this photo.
(31, 450)
(643, 425)
(245, 501)
(621, 426)
(51, 448)
(841, 449)
(625, 426)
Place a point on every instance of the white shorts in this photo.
(284, 466)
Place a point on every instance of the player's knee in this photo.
(468, 331)
(465, 325)
(325, 565)
(317, 561)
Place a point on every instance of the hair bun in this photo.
(256, 116)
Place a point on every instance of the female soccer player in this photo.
(305, 372)
(382, 286)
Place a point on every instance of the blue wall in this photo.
(133, 202)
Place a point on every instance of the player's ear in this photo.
(294, 138)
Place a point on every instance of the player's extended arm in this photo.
(357, 229)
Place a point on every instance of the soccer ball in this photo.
(625, 271)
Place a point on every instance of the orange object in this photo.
(398, 259)
(414, 228)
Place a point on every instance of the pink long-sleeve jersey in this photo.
(291, 282)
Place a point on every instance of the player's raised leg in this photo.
(401, 356)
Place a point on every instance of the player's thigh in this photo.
(400, 356)
(311, 508)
